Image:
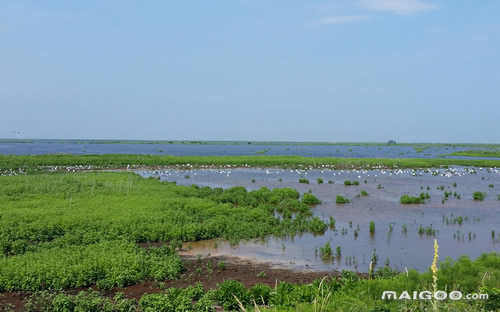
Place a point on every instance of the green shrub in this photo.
(261, 294)
(227, 290)
(304, 181)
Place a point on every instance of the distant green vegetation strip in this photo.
(472, 153)
(419, 146)
(123, 160)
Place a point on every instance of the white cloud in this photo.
(402, 7)
(342, 19)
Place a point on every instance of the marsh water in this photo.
(81, 147)
(461, 225)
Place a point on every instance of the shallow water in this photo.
(362, 151)
(402, 249)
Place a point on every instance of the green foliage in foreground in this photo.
(123, 160)
(346, 293)
(61, 231)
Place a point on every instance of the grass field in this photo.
(11, 162)
(69, 231)
(90, 224)
(476, 153)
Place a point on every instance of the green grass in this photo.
(348, 292)
(476, 153)
(63, 231)
(123, 160)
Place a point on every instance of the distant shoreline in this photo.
(120, 161)
(422, 145)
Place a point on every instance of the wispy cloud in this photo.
(342, 19)
(401, 7)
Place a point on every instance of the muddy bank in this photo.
(207, 271)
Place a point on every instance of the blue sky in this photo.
(359, 70)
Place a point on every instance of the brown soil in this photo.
(207, 271)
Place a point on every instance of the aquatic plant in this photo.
(341, 200)
(407, 199)
(310, 199)
(428, 230)
(372, 227)
(326, 251)
(478, 196)
(332, 223)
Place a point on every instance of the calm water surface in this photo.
(361, 151)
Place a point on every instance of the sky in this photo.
(285, 70)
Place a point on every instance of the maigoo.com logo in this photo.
(429, 295)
